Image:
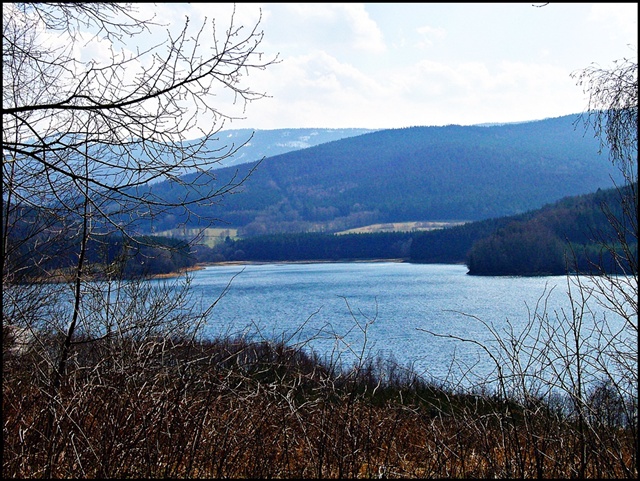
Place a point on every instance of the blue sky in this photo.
(391, 65)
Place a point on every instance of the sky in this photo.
(393, 65)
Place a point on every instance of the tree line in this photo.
(39, 253)
(566, 236)
(309, 247)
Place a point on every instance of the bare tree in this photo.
(76, 132)
(613, 112)
(82, 141)
(581, 363)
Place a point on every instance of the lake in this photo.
(345, 310)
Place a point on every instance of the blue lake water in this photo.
(345, 310)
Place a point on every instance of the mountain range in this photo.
(448, 173)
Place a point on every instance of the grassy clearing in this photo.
(402, 227)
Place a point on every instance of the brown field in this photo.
(402, 227)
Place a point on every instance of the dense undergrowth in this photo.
(263, 409)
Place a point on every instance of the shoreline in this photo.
(59, 278)
(203, 265)
(323, 261)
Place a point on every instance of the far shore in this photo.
(61, 277)
(323, 261)
(203, 265)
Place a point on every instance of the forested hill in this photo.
(419, 173)
(564, 236)
(554, 239)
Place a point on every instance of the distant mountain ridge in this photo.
(419, 173)
(268, 143)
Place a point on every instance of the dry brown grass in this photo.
(238, 409)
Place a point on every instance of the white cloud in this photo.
(393, 65)
(428, 35)
(367, 34)
(337, 27)
(317, 90)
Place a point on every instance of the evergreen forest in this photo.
(555, 239)
(450, 173)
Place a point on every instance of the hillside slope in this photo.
(268, 143)
(569, 234)
(559, 237)
(421, 173)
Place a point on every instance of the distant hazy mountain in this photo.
(267, 143)
(419, 173)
